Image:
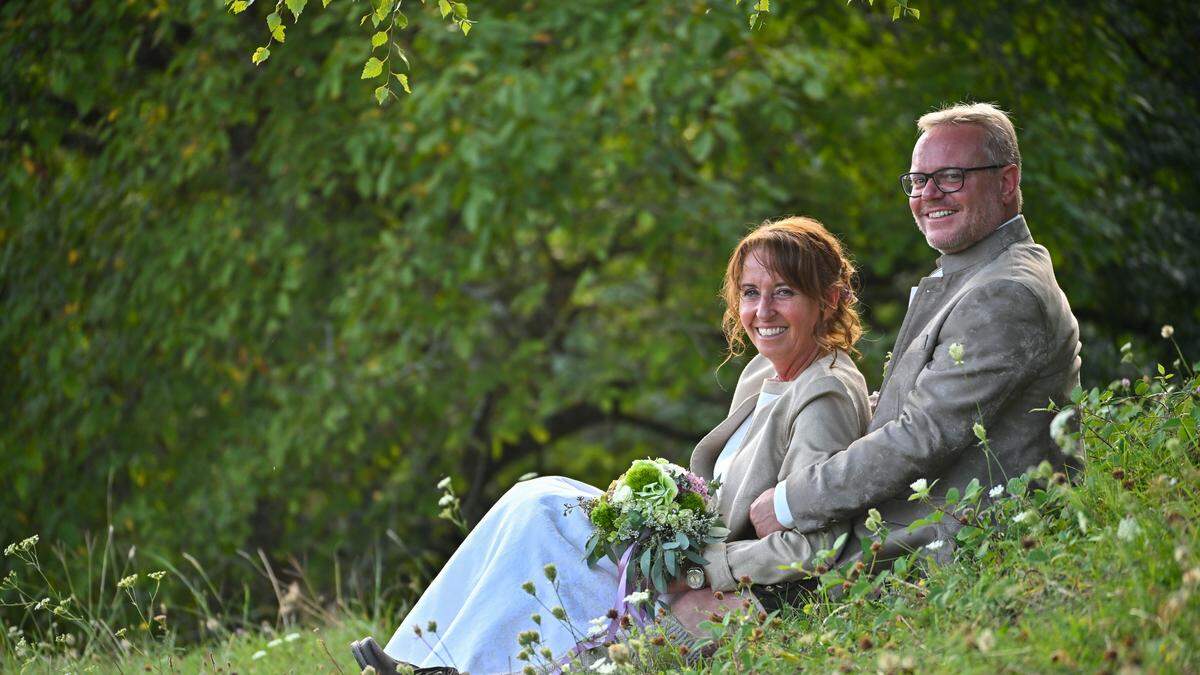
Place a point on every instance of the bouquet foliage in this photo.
(656, 516)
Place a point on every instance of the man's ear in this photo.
(1010, 180)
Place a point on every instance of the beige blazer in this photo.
(1020, 350)
(816, 415)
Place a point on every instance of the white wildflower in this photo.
(956, 353)
(446, 500)
(1128, 529)
(443, 483)
(919, 485)
(980, 432)
(935, 545)
(292, 637)
(603, 666)
(1023, 516)
(258, 655)
(1060, 430)
(274, 643)
(597, 631)
(1167, 331)
(128, 581)
(637, 597)
(996, 491)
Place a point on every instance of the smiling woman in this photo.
(788, 287)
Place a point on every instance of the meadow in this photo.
(1097, 571)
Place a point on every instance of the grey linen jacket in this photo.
(999, 300)
(816, 415)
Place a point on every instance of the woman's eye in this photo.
(749, 292)
(784, 293)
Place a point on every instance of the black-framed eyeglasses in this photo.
(949, 179)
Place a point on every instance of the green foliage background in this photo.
(246, 307)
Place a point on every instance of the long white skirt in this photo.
(477, 600)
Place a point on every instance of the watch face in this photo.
(695, 578)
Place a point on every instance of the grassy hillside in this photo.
(1097, 573)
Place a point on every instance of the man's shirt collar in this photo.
(1010, 231)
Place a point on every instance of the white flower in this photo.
(956, 353)
(258, 655)
(1023, 516)
(274, 643)
(292, 637)
(443, 483)
(935, 545)
(599, 621)
(637, 597)
(596, 631)
(446, 500)
(919, 485)
(1060, 430)
(603, 666)
(1128, 529)
(996, 491)
(1167, 331)
(622, 493)
(980, 432)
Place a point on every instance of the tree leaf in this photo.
(296, 7)
(401, 20)
(372, 68)
(273, 21)
(460, 9)
(466, 27)
(381, 93)
(378, 39)
(261, 54)
(278, 33)
(403, 82)
(444, 6)
(238, 6)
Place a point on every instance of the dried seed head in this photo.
(865, 643)
(718, 595)
(658, 640)
(1028, 543)
(876, 547)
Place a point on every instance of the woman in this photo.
(788, 288)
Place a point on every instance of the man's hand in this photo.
(762, 514)
(873, 400)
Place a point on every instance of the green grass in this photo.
(1100, 573)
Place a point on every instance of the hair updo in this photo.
(809, 258)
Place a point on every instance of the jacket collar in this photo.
(986, 249)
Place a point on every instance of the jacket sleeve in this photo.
(1003, 330)
(824, 425)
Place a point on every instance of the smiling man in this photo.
(988, 338)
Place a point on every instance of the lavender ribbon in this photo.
(622, 608)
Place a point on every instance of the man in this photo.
(987, 338)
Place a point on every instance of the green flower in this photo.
(692, 502)
(604, 517)
(648, 479)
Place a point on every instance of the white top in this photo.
(765, 400)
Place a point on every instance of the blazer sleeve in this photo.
(824, 425)
(1003, 330)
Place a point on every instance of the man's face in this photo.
(953, 222)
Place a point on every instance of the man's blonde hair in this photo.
(999, 136)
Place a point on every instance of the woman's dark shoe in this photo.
(367, 652)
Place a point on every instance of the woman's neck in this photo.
(786, 372)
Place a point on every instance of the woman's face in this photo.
(779, 319)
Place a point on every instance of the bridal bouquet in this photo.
(652, 520)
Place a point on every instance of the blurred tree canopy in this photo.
(248, 307)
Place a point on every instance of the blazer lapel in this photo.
(704, 457)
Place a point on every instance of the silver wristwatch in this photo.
(695, 578)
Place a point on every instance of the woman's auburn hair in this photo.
(810, 259)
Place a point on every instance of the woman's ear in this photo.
(832, 296)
